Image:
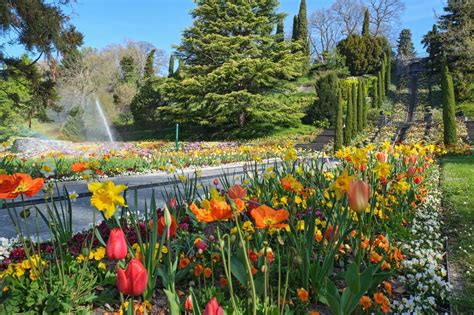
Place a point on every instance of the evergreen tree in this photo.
(388, 69)
(365, 25)
(129, 71)
(178, 73)
(379, 90)
(375, 97)
(363, 54)
(432, 43)
(303, 34)
(233, 62)
(405, 47)
(295, 32)
(349, 119)
(149, 70)
(325, 106)
(145, 103)
(280, 31)
(449, 104)
(171, 72)
(364, 106)
(354, 109)
(338, 140)
(74, 127)
(360, 106)
(383, 76)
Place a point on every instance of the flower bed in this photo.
(297, 238)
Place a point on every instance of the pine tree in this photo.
(231, 68)
(325, 106)
(360, 106)
(280, 30)
(149, 69)
(449, 104)
(349, 118)
(365, 26)
(355, 129)
(129, 71)
(338, 140)
(405, 47)
(171, 72)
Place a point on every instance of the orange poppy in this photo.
(266, 217)
(19, 184)
(240, 204)
(79, 167)
(214, 210)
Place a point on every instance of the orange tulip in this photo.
(79, 167)
(266, 217)
(19, 184)
(237, 192)
(358, 195)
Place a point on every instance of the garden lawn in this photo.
(457, 184)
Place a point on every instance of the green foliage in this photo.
(366, 25)
(449, 104)
(149, 70)
(171, 72)
(375, 97)
(338, 141)
(360, 106)
(388, 69)
(405, 48)
(363, 54)
(303, 34)
(280, 30)
(349, 118)
(379, 90)
(146, 102)
(354, 109)
(234, 64)
(325, 106)
(364, 106)
(129, 71)
(74, 128)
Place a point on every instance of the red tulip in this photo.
(116, 245)
(418, 179)
(411, 171)
(330, 235)
(216, 181)
(162, 226)
(188, 303)
(237, 192)
(213, 308)
(381, 157)
(133, 280)
(358, 195)
(173, 202)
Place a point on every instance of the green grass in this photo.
(468, 109)
(457, 184)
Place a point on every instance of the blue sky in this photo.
(161, 22)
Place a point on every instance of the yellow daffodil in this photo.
(106, 196)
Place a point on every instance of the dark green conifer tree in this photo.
(149, 70)
(338, 140)
(375, 91)
(364, 106)
(365, 25)
(360, 106)
(349, 118)
(171, 72)
(280, 30)
(354, 109)
(449, 104)
(379, 90)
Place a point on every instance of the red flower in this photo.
(216, 181)
(116, 245)
(172, 202)
(162, 226)
(213, 308)
(133, 280)
(358, 195)
(330, 235)
(188, 304)
(237, 192)
(79, 167)
(418, 179)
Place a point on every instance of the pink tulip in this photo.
(358, 195)
(213, 308)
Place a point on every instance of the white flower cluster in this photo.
(6, 246)
(424, 274)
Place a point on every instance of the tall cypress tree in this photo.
(349, 113)
(171, 72)
(354, 110)
(388, 69)
(449, 103)
(295, 32)
(280, 30)
(149, 69)
(375, 97)
(383, 75)
(365, 26)
(360, 106)
(364, 106)
(338, 140)
(379, 90)
(303, 34)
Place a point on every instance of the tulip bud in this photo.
(358, 195)
(213, 308)
(167, 216)
(116, 245)
(216, 181)
(188, 304)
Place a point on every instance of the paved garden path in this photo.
(145, 185)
